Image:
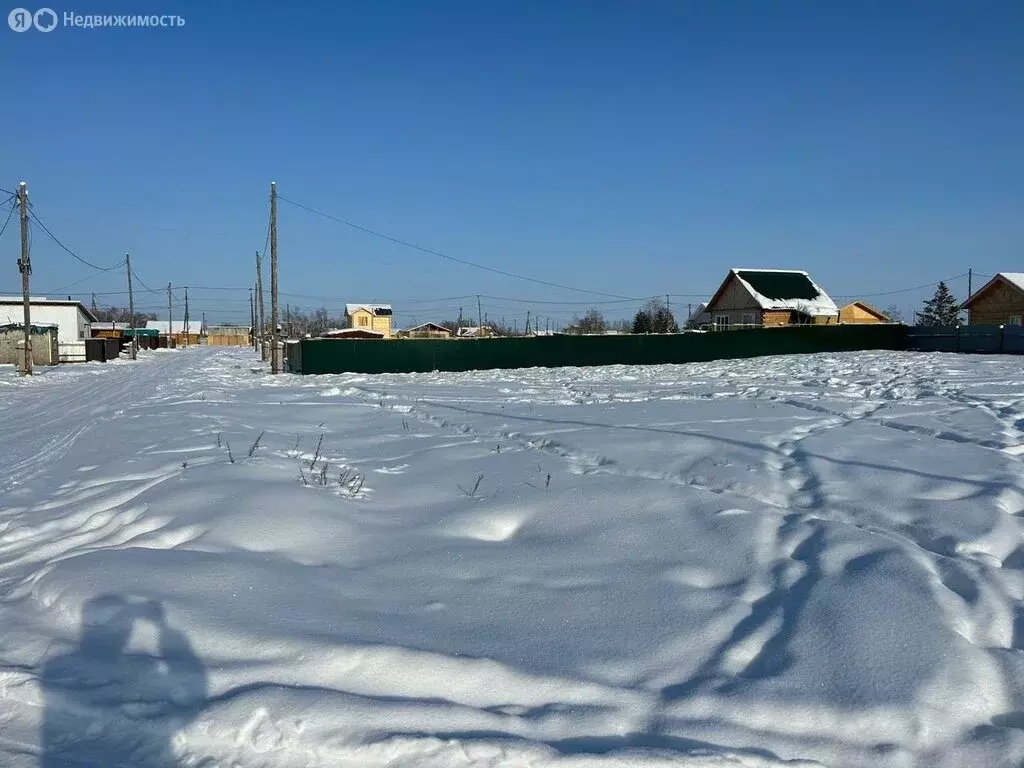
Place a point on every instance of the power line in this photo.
(87, 277)
(75, 255)
(136, 276)
(10, 213)
(445, 256)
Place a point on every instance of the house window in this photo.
(721, 322)
(1015, 320)
(364, 320)
(749, 319)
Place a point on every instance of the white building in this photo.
(73, 320)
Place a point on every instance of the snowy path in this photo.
(812, 560)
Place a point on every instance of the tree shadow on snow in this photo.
(106, 705)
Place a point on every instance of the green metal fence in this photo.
(416, 355)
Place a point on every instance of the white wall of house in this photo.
(72, 323)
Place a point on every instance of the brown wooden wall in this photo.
(996, 305)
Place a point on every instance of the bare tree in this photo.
(894, 313)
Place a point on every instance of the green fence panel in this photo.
(423, 355)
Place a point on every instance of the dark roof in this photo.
(780, 285)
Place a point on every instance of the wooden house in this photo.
(229, 335)
(425, 331)
(750, 298)
(371, 317)
(1000, 301)
(861, 313)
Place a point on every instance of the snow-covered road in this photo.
(814, 559)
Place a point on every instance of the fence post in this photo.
(1000, 339)
(958, 338)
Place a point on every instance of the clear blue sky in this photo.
(630, 148)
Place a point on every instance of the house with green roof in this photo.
(751, 298)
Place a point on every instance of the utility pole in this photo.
(202, 328)
(479, 317)
(25, 267)
(186, 317)
(527, 322)
(131, 308)
(273, 277)
(170, 317)
(970, 275)
(259, 299)
(288, 318)
(252, 318)
(95, 309)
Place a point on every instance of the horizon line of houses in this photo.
(746, 298)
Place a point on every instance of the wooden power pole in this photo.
(170, 317)
(25, 267)
(274, 359)
(252, 318)
(186, 317)
(131, 308)
(259, 303)
(479, 317)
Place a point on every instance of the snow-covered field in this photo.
(804, 560)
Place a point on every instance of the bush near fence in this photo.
(423, 355)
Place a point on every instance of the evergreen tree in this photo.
(655, 318)
(643, 322)
(941, 309)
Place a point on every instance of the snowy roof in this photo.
(701, 309)
(374, 309)
(104, 324)
(473, 330)
(178, 327)
(337, 332)
(1016, 279)
(42, 300)
(784, 289)
(435, 326)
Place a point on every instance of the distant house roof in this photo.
(699, 316)
(428, 327)
(790, 289)
(352, 333)
(1013, 279)
(42, 300)
(100, 325)
(178, 326)
(470, 331)
(373, 309)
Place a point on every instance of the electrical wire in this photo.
(87, 277)
(10, 213)
(445, 256)
(68, 250)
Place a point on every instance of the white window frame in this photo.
(721, 322)
(1014, 320)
